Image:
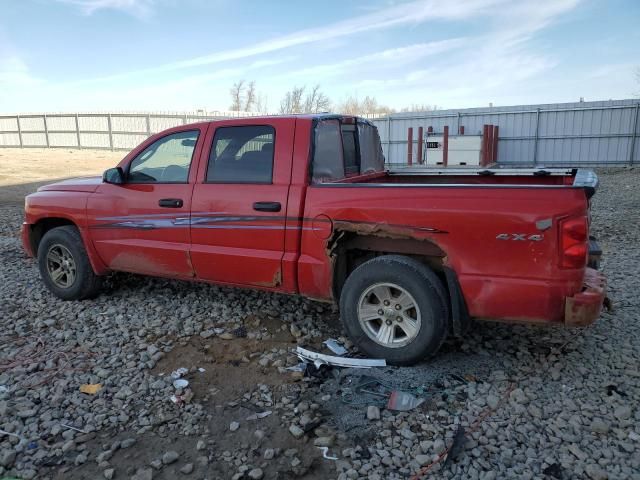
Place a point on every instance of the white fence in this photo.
(114, 131)
(568, 134)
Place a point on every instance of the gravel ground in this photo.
(534, 402)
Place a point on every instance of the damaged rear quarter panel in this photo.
(517, 279)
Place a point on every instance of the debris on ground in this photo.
(319, 359)
(333, 345)
(90, 388)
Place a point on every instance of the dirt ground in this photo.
(23, 170)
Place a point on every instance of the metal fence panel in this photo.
(569, 134)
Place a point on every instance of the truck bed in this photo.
(496, 177)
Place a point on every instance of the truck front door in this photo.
(142, 226)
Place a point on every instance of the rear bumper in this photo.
(584, 308)
(25, 234)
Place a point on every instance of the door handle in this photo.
(267, 206)
(171, 202)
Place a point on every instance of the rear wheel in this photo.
(394, 307)
(64, 265)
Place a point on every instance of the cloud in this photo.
(137, 8)
(410, 13)
(392, 57)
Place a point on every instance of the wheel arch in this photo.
(351, 249)
(38, 229)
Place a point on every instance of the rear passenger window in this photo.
(242, 155)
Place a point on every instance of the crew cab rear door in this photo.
(142, 225)
(239, 202)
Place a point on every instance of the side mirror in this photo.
(113, 175)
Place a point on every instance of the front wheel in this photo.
(64, 265)
(394, 307)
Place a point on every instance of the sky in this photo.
(177, 55)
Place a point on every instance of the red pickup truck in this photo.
(304, 205)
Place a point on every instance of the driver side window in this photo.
(167, 160)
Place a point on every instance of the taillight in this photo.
(574, 241)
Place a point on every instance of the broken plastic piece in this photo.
(180, 383)
(179, 372)
(91, 388)
(321, 359)
(333, 345)
(324, 453)
(256, 416)
(403, 401)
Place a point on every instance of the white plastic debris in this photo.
(179, 372)
(319, 359)
(324, 453)
(201, 370)
(180, 383)
(333, 345)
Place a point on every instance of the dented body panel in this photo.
(497, 237)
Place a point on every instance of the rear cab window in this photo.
(345, 147)
(242, 154)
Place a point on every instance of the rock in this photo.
(27, 413)
(127, 442)
(201, 445)
(518, 396)
(423, 459)
(408, 434)
(109, 473)
(596, 473)
(373, 412)
(599, 426)
(170, 457)
(80, 459)
(438, 446)
(187, 468)
(269, 453)
(143, 474)
(623, 412)
(324, 441)
(255, 474)
(7, 457)
(233, 426)
(156, 463)
(296, 431)
(580, 455)
(492, 402)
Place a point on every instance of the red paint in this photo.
(420, 140)
(445, 147)
(494, 148)
(484, 156)
(410, 146)
(461, 130)
(504, 279)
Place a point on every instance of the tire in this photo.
(414, 333)
(64, 265)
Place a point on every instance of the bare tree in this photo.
(292, 101)
(250, 96)
(352, 105)
(262, 104)
(236, 93)
(316, 101)
(419, 107)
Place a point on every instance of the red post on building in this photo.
(420, 139)
(495, 144)
(461, 130)
(485, 146)
(410, 146)
(490, 146)
(445, 146)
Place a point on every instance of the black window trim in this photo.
(195, 147)
(226, 182)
